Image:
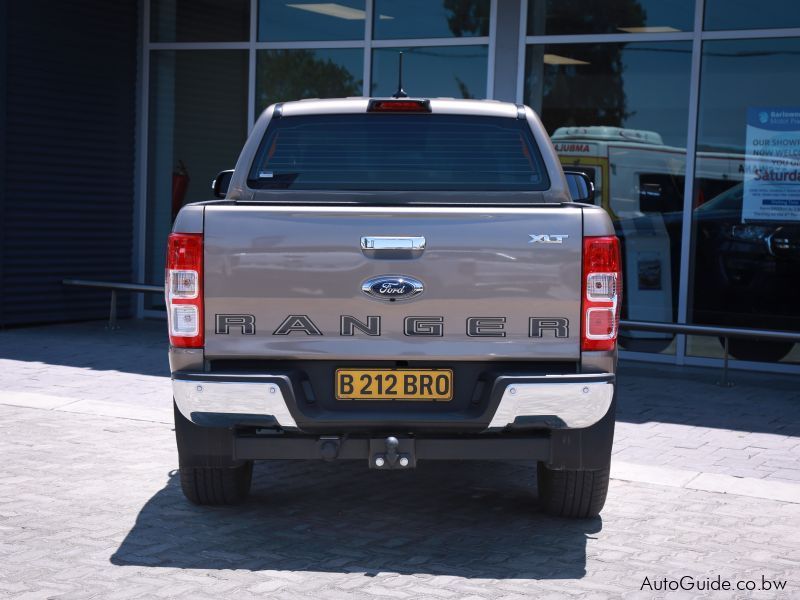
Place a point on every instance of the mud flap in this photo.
(587, 449)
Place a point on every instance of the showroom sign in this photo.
(772, 165)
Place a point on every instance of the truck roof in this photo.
(317, 106)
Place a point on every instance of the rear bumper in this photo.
(549, 402)
(219, 401)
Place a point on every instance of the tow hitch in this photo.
(392, 453)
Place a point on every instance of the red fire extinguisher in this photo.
(180, 183)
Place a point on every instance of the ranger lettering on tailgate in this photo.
(422, 326)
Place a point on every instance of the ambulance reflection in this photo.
(746, 274)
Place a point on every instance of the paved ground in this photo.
(706, 484)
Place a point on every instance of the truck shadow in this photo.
(465, 519)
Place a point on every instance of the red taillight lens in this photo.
(183, 289)
(423, 106)
(602, 293)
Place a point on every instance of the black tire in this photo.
(572, 494)
(216, 486)
(757, 350)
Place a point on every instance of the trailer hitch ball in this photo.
(392, 443)
(389, 453)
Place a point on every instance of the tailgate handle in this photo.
(392, 243)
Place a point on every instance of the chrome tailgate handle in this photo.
(393, 243)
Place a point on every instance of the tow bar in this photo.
(392, 453)
(399, 453)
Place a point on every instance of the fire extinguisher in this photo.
(180, 183)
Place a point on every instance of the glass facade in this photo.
(304, 21)
(446, 71)
(569, 17)
(308, 73)
(746, 215)
(751, 14)
(610, 118)
(430, 19)
(683, 112)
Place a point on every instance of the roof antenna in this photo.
(400, 93)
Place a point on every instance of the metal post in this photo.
(112, 315)
(724, 382)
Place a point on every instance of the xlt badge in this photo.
(392, 287)
(547, 238)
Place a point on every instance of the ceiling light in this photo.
(555, 59)
(648, 29)
(331, 9)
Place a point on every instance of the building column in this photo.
(506, 56)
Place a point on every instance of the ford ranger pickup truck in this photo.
(395, 281)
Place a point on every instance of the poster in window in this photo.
(772, 165)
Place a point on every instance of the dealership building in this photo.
(684, 113)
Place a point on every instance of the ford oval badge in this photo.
(392, 287)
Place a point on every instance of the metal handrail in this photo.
(115, 286)
(737, 332)
(712, 330)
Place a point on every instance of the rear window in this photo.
(372, 151)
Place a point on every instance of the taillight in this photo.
(602, 293)
(400, 106)
(183, 289)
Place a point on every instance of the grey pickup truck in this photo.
(395, 280)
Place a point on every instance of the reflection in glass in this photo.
(307, 20)
(430, 19)
(283, 75)
(641, 86)
(751, 14)
(195, 130)
(432, 71)
(199, 21)
(612, 119)
(565, 17)
(746, 226)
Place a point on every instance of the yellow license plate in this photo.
(427, 385)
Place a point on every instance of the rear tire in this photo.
(208, 473)
(216, 486)
(572, 493)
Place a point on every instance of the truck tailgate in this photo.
(265, 266)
